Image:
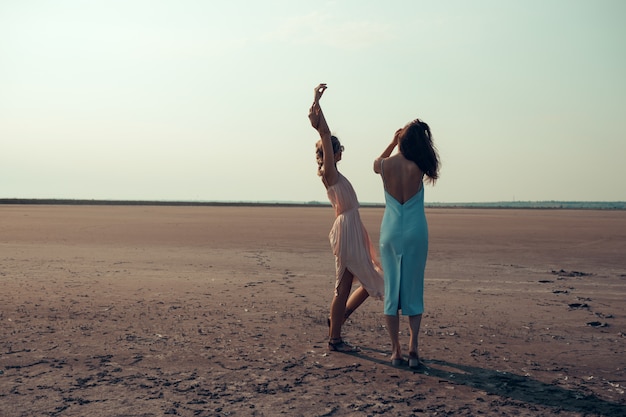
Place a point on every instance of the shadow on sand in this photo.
(512, 386)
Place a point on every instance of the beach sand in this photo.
(221, 311)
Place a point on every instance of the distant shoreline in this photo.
(577, 205)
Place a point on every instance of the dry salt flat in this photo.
(221, 311)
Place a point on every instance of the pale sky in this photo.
(208, 100)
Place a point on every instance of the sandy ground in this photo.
(221, 311)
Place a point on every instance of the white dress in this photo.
(350, 241)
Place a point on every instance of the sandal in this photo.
(414, 361)
(338, 345)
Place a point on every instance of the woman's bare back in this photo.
(403, 178)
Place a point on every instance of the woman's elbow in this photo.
(376, 166)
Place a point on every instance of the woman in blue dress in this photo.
(404, 230)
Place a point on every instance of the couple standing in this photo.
(403, 232)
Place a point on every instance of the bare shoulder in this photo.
(404, 167)
(395, 161)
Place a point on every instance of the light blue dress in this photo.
(403, 252)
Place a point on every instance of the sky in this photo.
(208, 100)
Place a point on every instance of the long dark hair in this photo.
(319, 152)
(416, 144)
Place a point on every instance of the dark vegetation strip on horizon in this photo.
(588, 205)
(79, 202)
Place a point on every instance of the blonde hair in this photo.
(319, 152)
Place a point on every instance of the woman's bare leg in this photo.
(393, 327)
(355, 300)
(414, 325)
(338, 305)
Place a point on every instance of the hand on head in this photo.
(396, 136)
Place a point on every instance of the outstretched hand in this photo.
(315, 110)
(319, 90)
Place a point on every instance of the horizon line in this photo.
(545, 204)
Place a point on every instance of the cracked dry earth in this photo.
(213, 311)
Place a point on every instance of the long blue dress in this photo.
(403, 252)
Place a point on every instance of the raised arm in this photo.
(318, 121)
(387, 152)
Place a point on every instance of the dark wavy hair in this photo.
(319, 152)
(416, 144)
